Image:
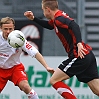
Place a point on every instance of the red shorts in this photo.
(14, 74)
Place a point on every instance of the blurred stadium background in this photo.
(85, 13)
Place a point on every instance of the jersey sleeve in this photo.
(74, 27)
(30, 49)
(44, 23)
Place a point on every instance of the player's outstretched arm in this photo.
(29, 15)
(41, 59)
(43, 23)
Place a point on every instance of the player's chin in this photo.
(6, 37)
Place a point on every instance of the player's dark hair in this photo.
(52, 4)
(6, 20)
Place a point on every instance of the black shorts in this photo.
(84, 69)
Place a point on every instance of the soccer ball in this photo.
(16, 39)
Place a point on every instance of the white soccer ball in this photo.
(16, 39)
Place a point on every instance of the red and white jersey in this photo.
(10, 56)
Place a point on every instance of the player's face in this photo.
(46, 12)
(6, 29)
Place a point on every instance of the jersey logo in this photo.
(65, 14)
(28, 45)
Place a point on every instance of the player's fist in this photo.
(50, 70)
(29, 15)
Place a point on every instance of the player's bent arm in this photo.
(43, 23)
(41, 59)
(32, 51)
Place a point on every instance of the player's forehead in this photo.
(7, 26)
(7, 23)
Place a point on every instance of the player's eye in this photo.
(5, 28)
(10, 29)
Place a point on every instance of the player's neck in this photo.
(53, 13)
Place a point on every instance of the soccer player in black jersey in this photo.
(81, 61)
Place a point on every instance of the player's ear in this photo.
(48, 9)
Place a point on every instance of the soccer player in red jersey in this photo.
(81, 61)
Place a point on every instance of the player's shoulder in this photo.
(62, 16)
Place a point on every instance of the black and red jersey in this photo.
(67, 30)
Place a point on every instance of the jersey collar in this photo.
(58, 13)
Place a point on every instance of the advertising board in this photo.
(38, 79)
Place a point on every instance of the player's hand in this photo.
(29, 15)
(49, 69)
(81, 50)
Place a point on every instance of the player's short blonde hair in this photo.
(7, 20)
(52, 4)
